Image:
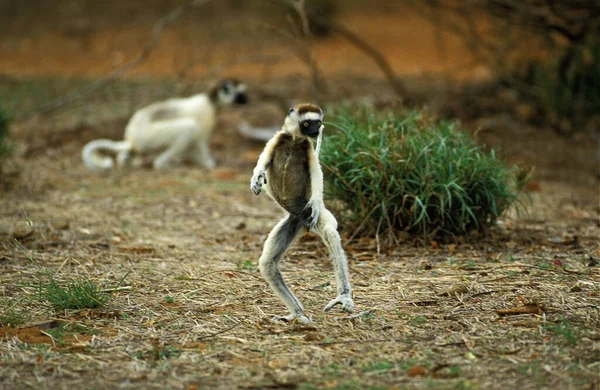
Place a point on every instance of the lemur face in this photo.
(309, 119)
(232, 91)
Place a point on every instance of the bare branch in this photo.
(369, 50)
(157, 30)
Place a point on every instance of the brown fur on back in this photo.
(164, 114)
(288, 175)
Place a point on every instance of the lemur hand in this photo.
(258, 180)
(313, 207)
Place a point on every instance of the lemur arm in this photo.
(315, 203)
(267, 154)
(316, 176)
(259, 177)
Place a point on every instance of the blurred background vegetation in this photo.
(523, 77)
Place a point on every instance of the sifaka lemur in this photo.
(290, 171)
(174, 128)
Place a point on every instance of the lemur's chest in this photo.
(289, 174)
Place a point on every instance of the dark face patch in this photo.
(241, 98)
(310, 127)
(226, 87)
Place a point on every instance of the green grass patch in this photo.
(158, 352)
(564, 329)
(247, 265)
(380, 365)
(391, 172)
(14, 317)
(77, 294)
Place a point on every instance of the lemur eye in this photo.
(305, 124)
(319, 123)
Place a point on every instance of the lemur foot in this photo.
(293, 317)
(343, 299)
(257, 181)
(313, 207)
(208, 163)
(159, 164)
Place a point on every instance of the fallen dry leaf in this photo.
(456, 289)
(224, 175)
(417, 371)
(533, 186)
(251, 155)
(278, 363)
(312, 337)
(138, 250)
(528, 308)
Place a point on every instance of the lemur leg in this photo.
(179, 134)
(327, 228)
(200, 153)
(279, 239)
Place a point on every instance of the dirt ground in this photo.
(177, 250)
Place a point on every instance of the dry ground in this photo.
(193, 312)
(177, 250)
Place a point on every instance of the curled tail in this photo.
(94, 160)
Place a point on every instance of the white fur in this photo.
(310, 116)
(257, 133)
(171, 129)
(97, 162)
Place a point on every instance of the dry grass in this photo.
(426, 316)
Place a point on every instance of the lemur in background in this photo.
(179, 127)
(290, 171)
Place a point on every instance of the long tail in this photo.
(94, 160)
(257, 133)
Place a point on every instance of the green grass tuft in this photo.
(390, 173)
(14, 317)
(78, 294)
(564, 329)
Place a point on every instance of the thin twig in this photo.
(358, 341)
(357, 315)
(369, 50)
(115, 289)
(157, 30)
(219, 332)
(225, 270)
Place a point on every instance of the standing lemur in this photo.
(290, 170)
(173, 128)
